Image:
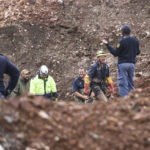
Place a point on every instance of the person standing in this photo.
(126, 50)
(23, 84)
(98, 78)
(43, 84)
(7, 67)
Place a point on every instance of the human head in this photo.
(81, 72)
(25, 74)
(101, 56)
(126, 30)
(43, 71)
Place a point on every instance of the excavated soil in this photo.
(65, 37)
(34, 123)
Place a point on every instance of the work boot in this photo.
(102, 97)
(90, 100)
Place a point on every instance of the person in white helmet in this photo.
(43, 84)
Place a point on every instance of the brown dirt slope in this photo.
(65, 37)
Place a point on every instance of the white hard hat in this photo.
(44, 70)
(60, 1)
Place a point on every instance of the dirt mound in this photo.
(29, 123)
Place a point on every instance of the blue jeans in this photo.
(125, 78)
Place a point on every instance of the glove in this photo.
(55, 94)
(86, 87)
(111, 85)
(86, 84)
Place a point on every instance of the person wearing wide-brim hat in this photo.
(98, 78)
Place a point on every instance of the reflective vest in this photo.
(39, 86)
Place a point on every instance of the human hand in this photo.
(104, 41)
(85, 97)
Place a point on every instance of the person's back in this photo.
(7, 67)
(129, 48)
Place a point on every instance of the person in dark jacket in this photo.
(126, 50)
(7, 67)
(78, 87)
(98, 78)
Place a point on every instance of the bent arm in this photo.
(16, 92)
(14, 73)
(80, 95)
(53, 88)
(115, 51)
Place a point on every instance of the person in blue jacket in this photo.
(7, 67)
(98, 78)
(126, 50)
(78, 87)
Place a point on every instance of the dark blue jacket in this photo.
(78, 84)
(6, 67)
(127, 48)
(96, 71)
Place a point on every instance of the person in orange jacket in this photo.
(98, 78)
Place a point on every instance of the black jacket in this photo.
(6, 67)
(127, 48)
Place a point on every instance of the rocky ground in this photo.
(31, 123)
(65, 37)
